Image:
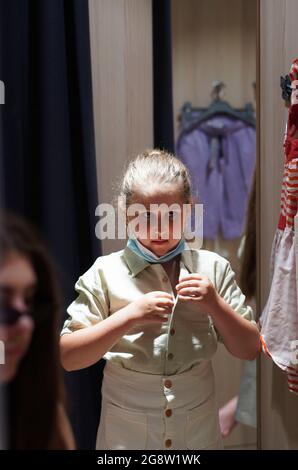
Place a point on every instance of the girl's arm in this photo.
(240, 336)
(85, 347)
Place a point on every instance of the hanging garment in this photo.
(220, 154)
(279, 320)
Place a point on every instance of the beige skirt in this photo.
(144, 411)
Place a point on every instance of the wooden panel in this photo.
(213, 40)
(121, 50)
(278, 47)
(216, 40)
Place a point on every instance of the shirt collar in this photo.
(137, 264)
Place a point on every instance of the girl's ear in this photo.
(191, 204)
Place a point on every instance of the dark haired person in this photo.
(30, 378)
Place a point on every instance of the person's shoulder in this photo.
(102, 264)
(106, 260)
(201, 256)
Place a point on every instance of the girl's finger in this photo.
(196, 276)
(165, 303)
(192, 276)
(190, 291)
(190, 283)
(187, 298)
(162, 309)
(163, 294)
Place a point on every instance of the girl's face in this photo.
(162, 228)
(17, 289)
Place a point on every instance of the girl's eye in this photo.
(145, 215)
(173, 214)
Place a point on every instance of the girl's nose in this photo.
(18, 303)
(159, 232)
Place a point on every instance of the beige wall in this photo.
(278, 47)
(213, 40)
(121, 51)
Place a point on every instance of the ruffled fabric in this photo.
(279, 319)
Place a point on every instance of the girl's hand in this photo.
(154, 307)
(198, 289)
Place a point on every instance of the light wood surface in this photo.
(213, 40)
(278, 420)
(121, 52)
(216, 40)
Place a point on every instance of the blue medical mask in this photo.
(149, 256)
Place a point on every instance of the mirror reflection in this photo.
(214, 81)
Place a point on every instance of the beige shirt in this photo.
(186, 339)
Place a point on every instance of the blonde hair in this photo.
(154, 167)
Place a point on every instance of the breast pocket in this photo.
(125, 429)
(202, 427)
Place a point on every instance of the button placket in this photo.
(164, 279)
(171, 332)
(170, 353)
(169, 425)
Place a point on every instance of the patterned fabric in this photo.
(279, 320)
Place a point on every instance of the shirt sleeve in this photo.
(91, 305)
(229, 290)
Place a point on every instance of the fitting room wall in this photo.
(216, 40)
(278, 408)
(213, 40)
(121, 53)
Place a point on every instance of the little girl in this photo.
(155, 312)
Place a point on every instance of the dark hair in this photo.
(37, 389)
(248, 258)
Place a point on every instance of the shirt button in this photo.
(168, 413)
(165, 279)
(172, 331)
(168, 443)
(168, 383)
(170, 356)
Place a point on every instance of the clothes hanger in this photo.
(191, 116)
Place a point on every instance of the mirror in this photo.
(214, 79)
